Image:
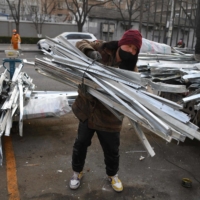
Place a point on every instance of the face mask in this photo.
(125, 56)
(128, 60)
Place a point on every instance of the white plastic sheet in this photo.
(46, 107)
(149, 46)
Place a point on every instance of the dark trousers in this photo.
(109, 141)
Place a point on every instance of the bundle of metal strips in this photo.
(120, 91)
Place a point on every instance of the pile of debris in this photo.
(122, 91)
(175, 77)
(20, 101)
(12, 93)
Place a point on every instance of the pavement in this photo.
(43, 165)
(24, 47)
(41, 161)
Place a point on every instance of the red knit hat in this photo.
(131, 37)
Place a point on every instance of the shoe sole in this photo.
(117, 190)
(75, 187)
(110, 180)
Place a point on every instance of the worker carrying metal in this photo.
(15, 40)
(94, 116)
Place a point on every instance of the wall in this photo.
(27, 29)
(94, 26)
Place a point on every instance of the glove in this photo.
(95, 55)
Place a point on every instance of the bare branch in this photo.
(39, 16)
(15, 11)
(81, 10)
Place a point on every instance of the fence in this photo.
(170, 20)
(27, 29)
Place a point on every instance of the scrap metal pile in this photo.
(12, 94)
(125, 92)
(20, 101)
(175, 77)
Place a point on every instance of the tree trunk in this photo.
(17, 27)
(80, 27)
(141, 15)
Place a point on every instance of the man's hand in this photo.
(95, 55)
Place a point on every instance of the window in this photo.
(70, 5)
(12, 5)
(78, 36)
(34, 8)
(60, 5)
(117, 1)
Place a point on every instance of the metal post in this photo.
(11, 62)
(169, 35)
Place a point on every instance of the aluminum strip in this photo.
(168, 87)
(165, 101)
(120, 108)
(176, 135)
(9, 101)
(8, 124)
(180, 129)
(191, 98)
(21, 106)
(54, 77)
(70, 46)
(14, 109)
(114, 112)
(190, 77)
(138, 107)
(126, 112)
(115, 97)
(4, 117)
(101, 73)
(142, 138)
(148, 102)
(2, 78)
(16, 73)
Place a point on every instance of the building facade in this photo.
(164, 21)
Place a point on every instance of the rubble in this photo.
(20, 101)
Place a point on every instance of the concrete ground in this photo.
(43, 164)
(42, 159)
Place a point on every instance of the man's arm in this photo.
(88, 49)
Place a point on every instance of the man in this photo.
(15, 40)
(94, 116)
(180, 43)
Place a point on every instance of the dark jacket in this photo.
(87, 107)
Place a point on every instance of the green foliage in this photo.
(25, 40)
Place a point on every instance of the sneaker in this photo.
(116, 183)
(75, 180)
